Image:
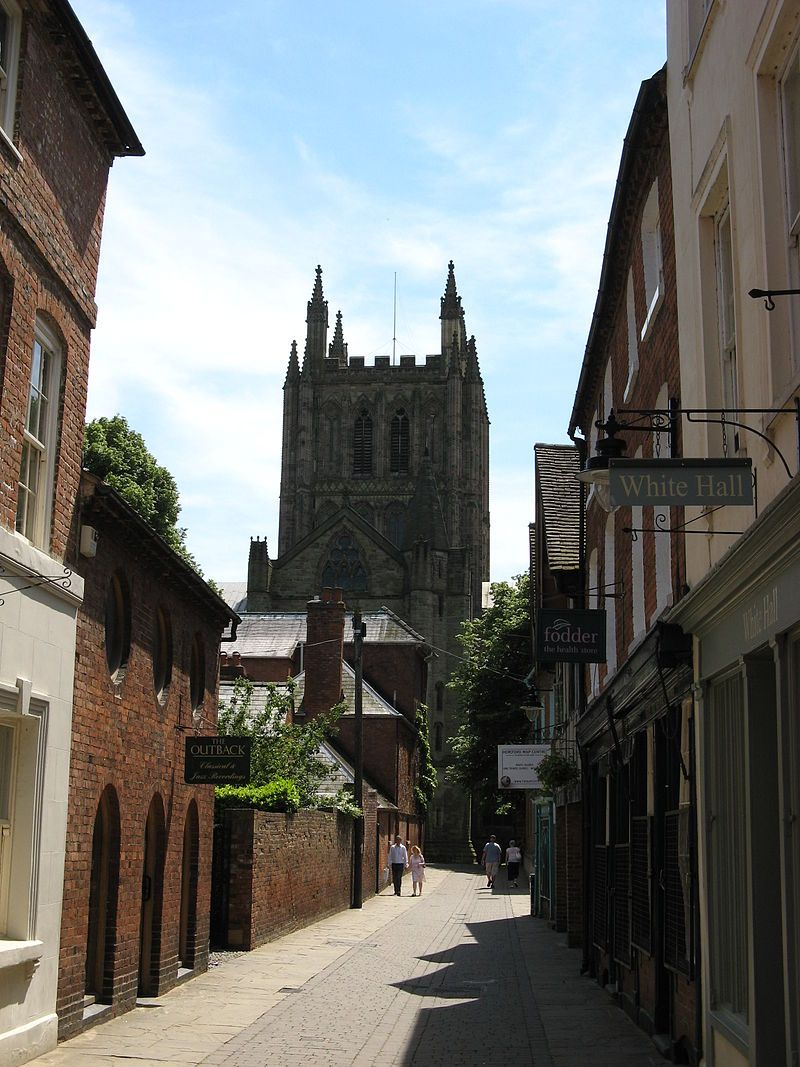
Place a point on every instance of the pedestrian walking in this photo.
(490, 858)
(513, 860)
(417, 870)
(398, 861)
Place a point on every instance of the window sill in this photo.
(13, 953)
(733, 1028)
(9, 147)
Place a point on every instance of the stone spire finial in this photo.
(316, 328)
(451, 301)
(338, 349)
(473, 369)
(317, 298)
(293, 370)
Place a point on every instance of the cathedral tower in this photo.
(385, 494)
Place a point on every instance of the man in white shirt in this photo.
(398, 861)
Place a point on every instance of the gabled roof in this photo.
(350, 515)
(372, 703)
(276, 634)
(93, 84)
(558, 502)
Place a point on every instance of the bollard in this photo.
(533, 894)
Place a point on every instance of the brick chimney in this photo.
(323, 653)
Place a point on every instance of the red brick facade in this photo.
(126, 771)
(287, 871)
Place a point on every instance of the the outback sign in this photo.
(217, 761)
(680, 482)
(570, 636)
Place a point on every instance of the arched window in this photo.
(396, 524)
(362, 445)
(437, 736)
(197, 673)
(162, 654)
(118, 627)
(344, 568)
(439, 696)
(398, 444)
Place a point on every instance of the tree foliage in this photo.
(424, 790)
(118, 454)
(280, 749)
(490, 688)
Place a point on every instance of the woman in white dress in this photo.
(417, 870)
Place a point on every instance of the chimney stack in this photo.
(323, 652)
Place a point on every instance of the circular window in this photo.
(118, 627)
(197, 673)
(162, 654)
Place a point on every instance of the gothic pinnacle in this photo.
(337, 348)
(317, 305)
(451, 301)
(294, 365)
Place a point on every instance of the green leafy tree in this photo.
(117, 454)
(280, 749)
(424, 790)
(490, 688)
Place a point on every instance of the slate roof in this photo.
(372, 703)
(341, 772)
(276, 634)
(558, 499)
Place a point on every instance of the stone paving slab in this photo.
(460, 976)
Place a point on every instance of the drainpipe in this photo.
(586, 828)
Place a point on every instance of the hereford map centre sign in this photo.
(217, 761)
(680, 482)
(570, 636)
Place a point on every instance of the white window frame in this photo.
(7, 822)
(10, 71)
(34, 504)
(726, 308)
(652, 259)
(633, 338)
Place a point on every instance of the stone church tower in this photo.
(385, 493)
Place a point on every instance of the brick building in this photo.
(313, 649)
(385, 493)
(61, 126)
(138, 855)
(636, 728)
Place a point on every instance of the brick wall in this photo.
(128, 748)
(323, 652)
(287, 871)
(573, 874)
(51, 209)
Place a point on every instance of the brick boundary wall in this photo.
(287, 871)
(561, 869)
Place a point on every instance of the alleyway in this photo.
(461, 976)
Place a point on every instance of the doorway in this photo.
(103, 885)
(187, 939)
(152, 892)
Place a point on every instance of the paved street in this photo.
(462, 975)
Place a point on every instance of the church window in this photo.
(344, 568)
(362, 445)
(439, 696)
(396, 524)
(437, 736)
(399, 443)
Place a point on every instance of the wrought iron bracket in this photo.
(768, 294)
(63, 580)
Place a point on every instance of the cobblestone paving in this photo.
(461, 976)
(452, 981)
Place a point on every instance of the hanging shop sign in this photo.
(570, 636)
(217, 761)
(680, 482)
(518, 765)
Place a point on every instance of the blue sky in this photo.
(372, 138)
